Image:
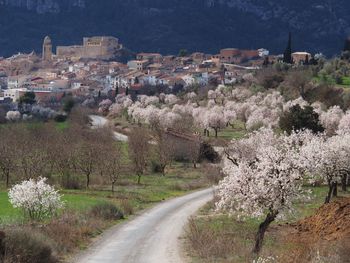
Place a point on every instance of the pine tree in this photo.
(287, 56)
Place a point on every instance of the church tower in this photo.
(47, 49)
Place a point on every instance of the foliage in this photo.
(299, 118)
(27, 98)
(60, 118)
(68, 104)
(183, 53)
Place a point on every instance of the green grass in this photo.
(345, 83)
(8, 214)
(154, 188)
(62, 125)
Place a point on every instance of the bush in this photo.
(24, 246)
(299, 118)
(207, 152)
(60, 118)
(213, 173)
(107, 211)
(155, 167)
(127, 207)
(72, 183)
(36, 198)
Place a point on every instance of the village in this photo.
(91, 70)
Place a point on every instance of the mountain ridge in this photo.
(168, 26)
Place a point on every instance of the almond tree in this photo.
(330, 120)
(37, 199)
(344, 124)
(111, 165)
(215, 118)
(7, 154)
(262, 184)
(139, 151)
(87, 154)
(325, 159)
(164, 148)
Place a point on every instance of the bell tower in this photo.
(47, 49)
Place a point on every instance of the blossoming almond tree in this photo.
(37, 199)
(323, 159)
(263, 184)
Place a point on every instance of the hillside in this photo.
(167, 26)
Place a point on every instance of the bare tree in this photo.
(31, 151)
(164, 148)
(61, 152)
(111, 163)
(87, 154)
(299, 82)
(139, 151)
(7, 154)
(194, 147)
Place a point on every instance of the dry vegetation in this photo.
(322, 237)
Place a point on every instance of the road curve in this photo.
(100, 122)
(152, 237)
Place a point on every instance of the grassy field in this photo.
(154, 188)
(237, 131)
(220, 238)
(345, 81)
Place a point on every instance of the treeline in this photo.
(64, 155)
(74, 155)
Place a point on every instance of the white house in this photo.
(14, 94)
(14, 82)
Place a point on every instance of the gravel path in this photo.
(152, 237)
(99, 122)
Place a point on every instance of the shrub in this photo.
(60, 118)
(208, 243)
(207, 152)
(72, 183)
(24, 246)
(127, 207)
(299, 118)
(155, 167)
(106, 211)
(36, 198)
(213, 173)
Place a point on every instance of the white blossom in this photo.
(36, 198)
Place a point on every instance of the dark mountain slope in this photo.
(168, 25)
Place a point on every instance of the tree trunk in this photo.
(216, 133)
(195, 165)
(335, 189)
(344, 180)
(330, 191)
(162, 167)
(271, 216)
(87, 181)
(139, 179)
(113, 187)
(7, 179)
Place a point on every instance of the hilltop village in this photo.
(92, 70)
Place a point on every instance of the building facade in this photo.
(93, 47)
